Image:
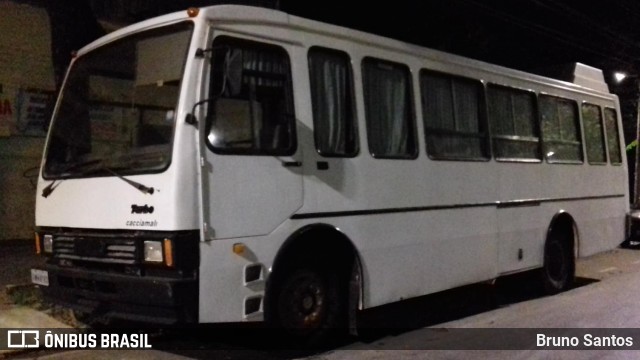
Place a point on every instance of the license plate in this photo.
(40, 277)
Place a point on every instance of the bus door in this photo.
(252, 170)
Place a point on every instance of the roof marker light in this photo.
(193, 12)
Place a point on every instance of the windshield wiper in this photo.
(49, 189)
(54, 184)
(135, 184)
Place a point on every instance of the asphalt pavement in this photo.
(620, 266)
(16, 258)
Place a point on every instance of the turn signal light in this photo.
(38, 250)
(239, 248)
(168, 252)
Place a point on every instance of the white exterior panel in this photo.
(418, 225)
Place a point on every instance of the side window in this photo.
(389, 109)
(593, 133)
(251, 111)
(452, 117)
(613, 136)
(334, 121)
(560, 129)
(512, 115)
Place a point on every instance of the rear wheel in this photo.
(558, 269)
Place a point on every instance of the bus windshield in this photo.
(118, 104)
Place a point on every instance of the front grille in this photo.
(103, 250)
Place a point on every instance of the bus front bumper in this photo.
(111, 295)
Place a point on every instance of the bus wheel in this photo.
(558, 269)
(309, 306)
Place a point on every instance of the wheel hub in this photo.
(306, 304)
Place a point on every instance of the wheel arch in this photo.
(319, 240)
(563, 221)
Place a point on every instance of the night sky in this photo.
(523, 34)
(539, 36)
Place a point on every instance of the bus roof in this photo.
(584, 77)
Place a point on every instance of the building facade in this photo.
(26, 89)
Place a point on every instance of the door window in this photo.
(251, 112)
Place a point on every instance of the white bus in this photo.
(231, 163)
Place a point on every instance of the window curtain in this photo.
(593, 133)
(513, 123)
(388, 114)
(560, 129)
(451, 116)
(466, 98)
(613, 140)
(264, 62)
(331, 94)
(438, 103)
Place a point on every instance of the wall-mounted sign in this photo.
(32, 108)
(24, 111)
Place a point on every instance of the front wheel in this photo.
(558, 269)
(309, 306)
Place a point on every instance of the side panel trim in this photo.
(499, 204)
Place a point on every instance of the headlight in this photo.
(47, 244)
(153, 251)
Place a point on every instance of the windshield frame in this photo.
(60, 169)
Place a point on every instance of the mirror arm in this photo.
(191, 118)
(200, 52)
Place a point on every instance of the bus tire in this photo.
(310, 306)
(558, 269)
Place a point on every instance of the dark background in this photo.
(539, 36)
(530, 35)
